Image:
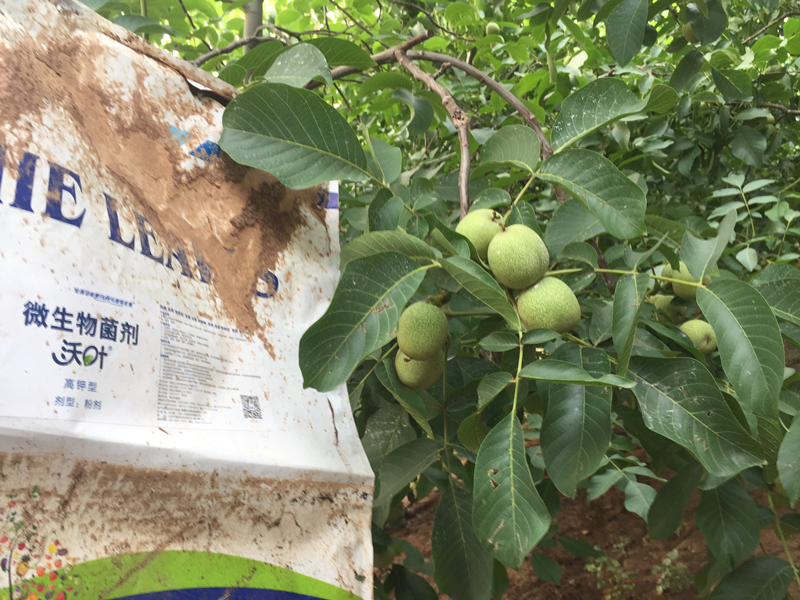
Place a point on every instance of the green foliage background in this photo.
(664, 151)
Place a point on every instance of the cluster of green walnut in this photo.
(518, 259)
(700, 332)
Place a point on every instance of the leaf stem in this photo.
(749, 214)
(522, 191)
(779, 531)
(563, 272)
(631, 272)
(380, 360)
(788, 187)
(519, 368)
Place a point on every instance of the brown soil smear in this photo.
(240, 220)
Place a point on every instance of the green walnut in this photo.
(688, 34)
(675, 313)
(687, 292)
(479, 227)
(418, 374)
(492, 29)
(549, 304)
(701, 334)
(422, 331)
(518, 257)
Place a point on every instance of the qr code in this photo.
(251, 407)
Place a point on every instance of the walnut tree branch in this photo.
(381, 58)
(229, 48)
(457, 116)
(788, 13)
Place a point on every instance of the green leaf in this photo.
(483, 286)
(686, 70)
(593, 106)
(514, 145)
(491, 198)
(386, 429)
(577, 425)
(261, 55)
(384, 211)
(361, 318)
(638, 496)
(666, 512)
(539, 336)
(680, 400)
(760, 578)
(545, 568)
(472, 431)
(388, 158)
(580, 548)
(728, 518)
(339, 52)
(490, 386)
(701, 256)
(385, 81)
(463, 566)
(564, 372)
(572, 222)
(748, 258)
(734, 85)
(378, 242)
(789, 461)
(500, 341)
(749, 146)
(142, 25)
(580, 252)
(625, 29)
(402, 465)
(233, 74)
(509, 516)
(672, 229)
(408, 399)
(708, 27)
(268, 127)
(661, 99)
(410, 586)
(298, 65)
(616, 201)
(628, 299)
(749, 342)
(782, 293)
(421, 111)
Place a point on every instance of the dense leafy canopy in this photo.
(633, 135)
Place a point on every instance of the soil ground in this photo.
(621, 534)
(604, 523)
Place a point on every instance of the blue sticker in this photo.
(206, 150)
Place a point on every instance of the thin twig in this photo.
(788, 13)
(527, 116)
(442, 70)
(230, 48)
(281, 33)
(188, 16)
(780, 107)
(352, 18)
(342, 95)
(430, 16)
(611, 284)
(457, 116)
(191, 22)
(381, 58)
